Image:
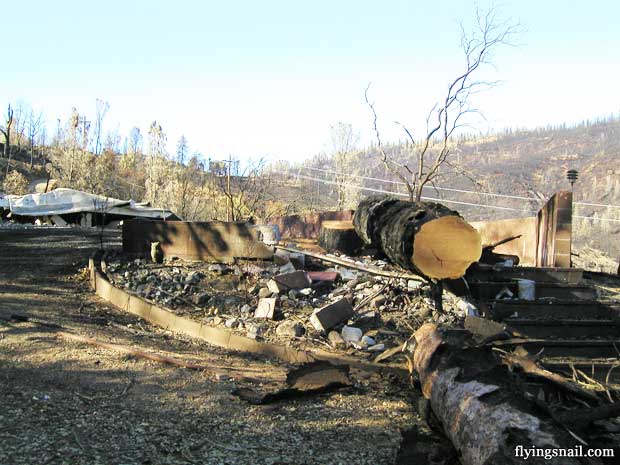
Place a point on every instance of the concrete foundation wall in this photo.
(207, 241)
(524, 247)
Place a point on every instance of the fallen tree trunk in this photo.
(424, 237)
(474, 398)
(339, 236)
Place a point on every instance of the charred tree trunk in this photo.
(475, 398)
(339, 236)
(424, 237)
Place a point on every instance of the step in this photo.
(551, 309)
(483, 272)
(592, 348)
(565, 329)
(488, 290)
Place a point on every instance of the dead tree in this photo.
(431, 152)
(6, 132)
(424, 237)
(35, 122)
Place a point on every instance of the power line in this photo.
(463, 191)
(592, 218)
(595, 204)
(382, 191)
(489, 194)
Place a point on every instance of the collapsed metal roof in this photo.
(64, 201)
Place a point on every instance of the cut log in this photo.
(423, 237)
(339, 236)
(474, 398)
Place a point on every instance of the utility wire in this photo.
(382, 191)
(488, 194)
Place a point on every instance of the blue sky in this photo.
(268, 78)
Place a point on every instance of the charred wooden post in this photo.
(339, 236)
(424, 237)
(474, 397)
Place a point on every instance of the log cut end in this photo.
(444, 248)
(339, 236)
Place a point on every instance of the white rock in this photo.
(367, 340)
(413, 285)
(351, 334)
(376, 348)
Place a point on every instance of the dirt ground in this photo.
(63, 402)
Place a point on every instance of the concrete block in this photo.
(274, 287)
(330, 315)
(294, 280)
(266, 308)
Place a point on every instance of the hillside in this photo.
(524, 163)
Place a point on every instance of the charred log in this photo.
(339, 236)
(424, 237)
(478, 405)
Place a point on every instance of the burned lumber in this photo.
(339, 236)
(426, 238)
(309, 379)
(479, 405)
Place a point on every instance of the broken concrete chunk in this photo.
(367, 340)
(351, 334)
(294, 280)
(306, 291)
(231, 322)
(347, 275)
(332, 314)
(273, 287)
(287, 268)
(376, 348)
(290, 329)
(413, 285)
(200, 299)
(254, 330)
(266, 308)
(467, 308)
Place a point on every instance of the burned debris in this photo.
(503, 342)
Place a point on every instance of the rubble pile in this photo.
(293, 299)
